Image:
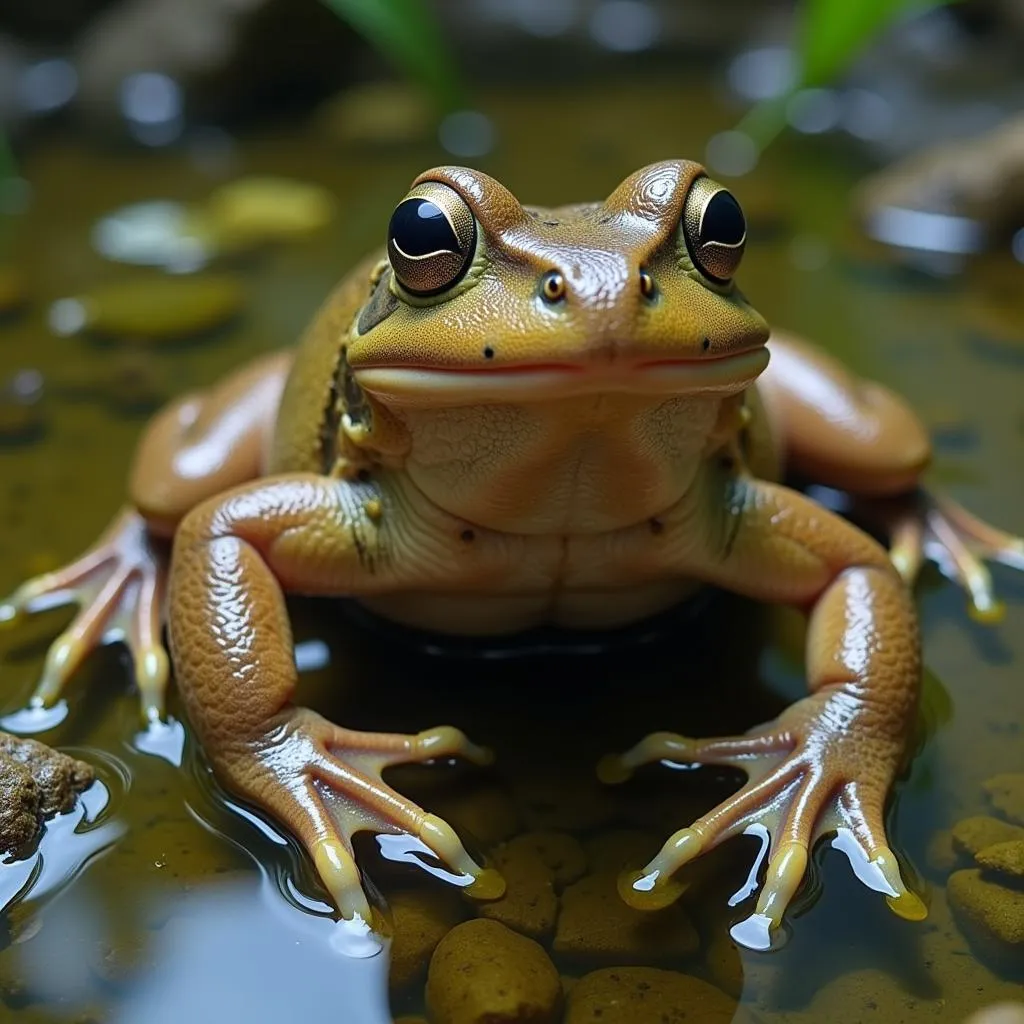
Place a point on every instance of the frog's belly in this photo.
(494, 614)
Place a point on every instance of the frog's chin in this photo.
(423, 385)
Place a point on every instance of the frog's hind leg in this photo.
(194, 448)
(858, 436)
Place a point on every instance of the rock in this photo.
(645, 995)
(377, 114)
(1006, 794)
(120, 963)
(529, 905)
(1003, 859)
(151, 309)
(36, 782)
(483, 973)
(971, 835)
(422, 918)
(562, 854)
(253, 211)
(990, 915)
(596, 925)
(941, 855)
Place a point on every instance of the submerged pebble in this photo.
(990, 914)
(638, 995)
(529, 904)
(1006, 859)
(596, 925)
(421, 918)
(1006, 794)
(253, 211)
(483, 973)
(150, 309)
(970, 835)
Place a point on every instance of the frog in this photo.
(514, 416)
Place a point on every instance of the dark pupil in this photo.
(418, 227)
(723, 220)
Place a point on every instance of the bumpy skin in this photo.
(512, 452)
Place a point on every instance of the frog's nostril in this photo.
(552, 286)
(646, 284)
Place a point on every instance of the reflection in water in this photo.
(241, 955)
(66, 846)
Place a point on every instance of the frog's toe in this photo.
(960, 544)
(119, 586)
(325, 783)
(805, 780)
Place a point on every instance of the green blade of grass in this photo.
(406, 32)
(832, 32)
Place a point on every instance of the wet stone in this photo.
(562, 854)
(421, 921)
(621, 849)
(483, 973)
(1006, 794)
(1006, 859)
(151, 309)
(36, 782)
(971, 835)
(529, 905)
(991, 915)
(596, 925)
(120, 963)
(645, 995)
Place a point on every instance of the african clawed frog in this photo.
(516, 416)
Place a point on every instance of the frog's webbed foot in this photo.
(959, 543)
(119, 586)
(814, 770)
(325, 783)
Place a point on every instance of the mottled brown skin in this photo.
(490, 459)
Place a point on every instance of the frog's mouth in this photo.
(409, 384)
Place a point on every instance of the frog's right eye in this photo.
(431, 239)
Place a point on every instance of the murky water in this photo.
(181, 907)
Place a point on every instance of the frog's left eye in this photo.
(714, 228)
(431, 239)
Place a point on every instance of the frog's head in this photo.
(484, 300)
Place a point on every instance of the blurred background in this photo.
(183, 181)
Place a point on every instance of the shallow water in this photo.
(182, 907)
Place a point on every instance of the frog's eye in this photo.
(431, 239)
(714, 228)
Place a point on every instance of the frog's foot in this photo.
(815, 770)
(325, 783)
(119, 586)
(941, 530)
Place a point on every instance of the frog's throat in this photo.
(423, 385)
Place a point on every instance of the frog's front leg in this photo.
(234, 558)
(829, 760)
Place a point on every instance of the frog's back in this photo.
(312, 397)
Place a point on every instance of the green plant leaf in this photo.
(831, 32)
(406, 32)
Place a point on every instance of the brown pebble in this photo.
(991, 915)
(1005, 859)
(596, 925)
(422, 919)
(645, 995)
(483, 973)
(529, 905)
(560, 852)
(971, 835)
(1006, 794)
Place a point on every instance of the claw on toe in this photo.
(447, 741)
(655, 886)
(486, 884)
